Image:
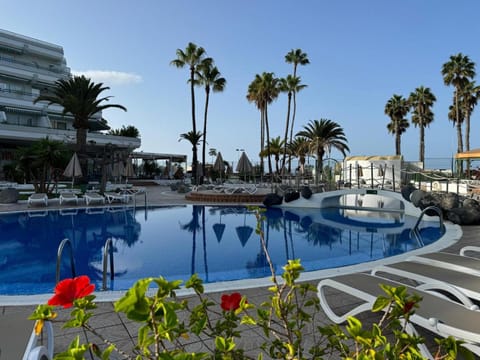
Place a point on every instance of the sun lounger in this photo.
(68, 197)
(462, 262)
(117, 197)
(436, 314)
(433, 278)
(38, 198)
(94, 197)
(35, 350)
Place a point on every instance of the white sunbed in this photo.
(38, 199)
(462, 262)
(35, 350)
(94, 197)
(437, 314)
(117, 197)
(432, 278)
(68, 197)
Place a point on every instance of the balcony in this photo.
(59, 70)
(24, 100)
(29, 74)
(19, 134)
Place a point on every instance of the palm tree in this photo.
(397, 108)
(470, 94)
(296, 57)
(290, 85)
(193, 57)
(194, 139)
(421, 101)
(457, 72)
(39, 162)
(263, 90)
(322, 135)
(275, 149)
(80, 97)
(299, 148)
(210, 77)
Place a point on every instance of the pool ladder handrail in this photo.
(59, 259)
(107, 250)
(415, 230)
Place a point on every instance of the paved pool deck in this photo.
(15, 329)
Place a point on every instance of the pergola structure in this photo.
(473, 154)
(169, 158)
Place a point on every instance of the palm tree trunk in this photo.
(459, 146)
(82, 150)
(192, 92)
(467, 139)
(287, 125)
(262, 142)
(194, 165)
(291, 128)
(459, 137)
(268, 142)
(204, 145)
(397, 139)
(422, 144)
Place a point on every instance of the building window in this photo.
(61, 125)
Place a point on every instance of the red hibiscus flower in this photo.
(69, 290)
(408, 307)
(231, 302)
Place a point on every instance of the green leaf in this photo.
(380, 304)
(248, 320)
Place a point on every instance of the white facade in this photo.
(28, 68)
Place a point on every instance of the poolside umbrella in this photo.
(118, 169)
(219, 165)
(73, 168)
(244, 165)
(128, 170)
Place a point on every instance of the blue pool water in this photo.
(218, 243)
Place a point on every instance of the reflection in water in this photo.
(166, 243)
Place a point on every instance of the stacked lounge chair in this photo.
(93, 197)
(38, 199)
(68, 197)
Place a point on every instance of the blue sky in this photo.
(361, 53)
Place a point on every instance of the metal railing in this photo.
(415, 232)
(59, 259)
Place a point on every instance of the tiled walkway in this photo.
(123, 331)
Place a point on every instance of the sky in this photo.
(361, 53)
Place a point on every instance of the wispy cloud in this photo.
(109, 77)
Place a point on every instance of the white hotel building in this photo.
(28, 68)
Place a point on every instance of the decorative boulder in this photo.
(291, 196)
(407, 191)
(464, 216)
(416, 196)
(272, 199)
(306, 192)
(445, 201)
(8, 196)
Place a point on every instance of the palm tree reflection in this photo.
(193, 226)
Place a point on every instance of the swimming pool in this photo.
(219, 243)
